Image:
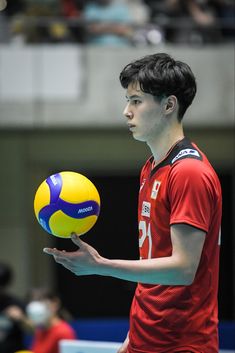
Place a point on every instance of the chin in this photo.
(139, 137)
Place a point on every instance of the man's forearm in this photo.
(165, 270)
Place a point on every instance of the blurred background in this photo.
(61, 109)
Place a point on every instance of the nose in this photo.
(127, 112)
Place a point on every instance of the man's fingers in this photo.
(62, 254)
(65, 262)
(75, 239)
(51, 251)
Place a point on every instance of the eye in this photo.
(136, 101)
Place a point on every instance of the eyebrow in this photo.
(134, 96)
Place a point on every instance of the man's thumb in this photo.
(76, 240)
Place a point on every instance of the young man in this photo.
(175, 304)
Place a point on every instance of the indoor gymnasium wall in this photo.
(71, 86)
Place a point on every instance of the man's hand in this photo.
(123, 348)
(84, 261)
(15, 313)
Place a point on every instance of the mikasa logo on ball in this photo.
(53, 179)
(86, 209)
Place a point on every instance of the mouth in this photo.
(131, 126)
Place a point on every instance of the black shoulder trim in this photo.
(183, 149)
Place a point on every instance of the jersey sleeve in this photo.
(191, 193)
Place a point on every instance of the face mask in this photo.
(38, 312)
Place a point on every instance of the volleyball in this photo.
(67, 202)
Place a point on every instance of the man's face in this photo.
(144, 114)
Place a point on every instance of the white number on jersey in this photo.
(145, 231)
(219, 238)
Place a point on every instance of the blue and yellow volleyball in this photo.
(67, 202)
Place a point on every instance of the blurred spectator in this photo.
(38, 25)
(109, 22)
(14, 7)
(140, 12)
(225, 12)
(72, 8)
(71, 11)
(143, 31)
(28, 25)
(198, 10)
(49, 320)
(49, 21)
(117, 22)
(193, 21)
(200, 21)
(11, 310)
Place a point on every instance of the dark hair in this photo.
(162, 76)
(6, 274)
(42, 293)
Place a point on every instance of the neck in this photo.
(53, 321)
(161, 144)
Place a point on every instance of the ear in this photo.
(171, 104)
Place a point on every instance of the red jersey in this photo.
(183, 188)
(47, 340)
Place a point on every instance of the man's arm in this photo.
(178, 269)
(123, 348)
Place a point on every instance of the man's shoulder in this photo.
(185, 149)
(188, 161)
